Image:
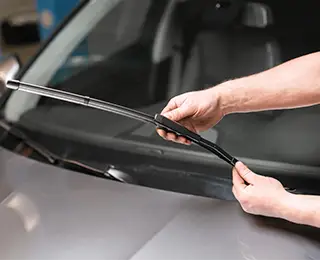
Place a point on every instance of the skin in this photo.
(293, 84)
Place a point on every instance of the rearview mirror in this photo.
(9, 67)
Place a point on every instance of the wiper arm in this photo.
(158, 120)
(79, 99)
(110, 171)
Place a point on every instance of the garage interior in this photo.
(10, 8)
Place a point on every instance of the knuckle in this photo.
(246, 170)
(188, 102)
(172, 101)
(176, 113)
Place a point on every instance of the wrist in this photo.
(226, 96)
(220, 95)
(286, 206)
(294, 210)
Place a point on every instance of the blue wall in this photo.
(51, 13)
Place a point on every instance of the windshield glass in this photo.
(129, 57)
(140, 54)
(114, 60)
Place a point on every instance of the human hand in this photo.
(258, 195)
(197, 111)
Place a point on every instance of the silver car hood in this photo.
(51, 213)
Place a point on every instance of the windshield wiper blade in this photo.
(158, 120)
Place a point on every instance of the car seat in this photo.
(226, 50)
(244, 48)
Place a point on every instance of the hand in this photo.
(197, 111)
(259, 195)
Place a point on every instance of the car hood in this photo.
(50, 213)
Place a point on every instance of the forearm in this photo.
(295, 83)
(302, 209)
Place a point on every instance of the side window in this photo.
(114, 62)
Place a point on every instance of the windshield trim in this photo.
(83, 3)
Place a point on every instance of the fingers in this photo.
(172, 137)
(183, 140)
(238, 182)
(172, 104)
(175, 112)
(176, 109)
(162, 133)
(239, 188)
(245, 173)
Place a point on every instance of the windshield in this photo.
(127, 57)
(139, 54)
(114, 59)
(113, 62)
(124, 53)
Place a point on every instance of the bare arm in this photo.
(295, 83)
(290, 85)
(302, 209)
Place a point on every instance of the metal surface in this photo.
(50, 213)
(9, 66)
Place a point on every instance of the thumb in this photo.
(178, 113)
(249, 176)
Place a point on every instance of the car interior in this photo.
(190, 45)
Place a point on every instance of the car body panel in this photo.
(52, 213)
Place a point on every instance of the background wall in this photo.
(11, 6)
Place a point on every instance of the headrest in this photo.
(222, 13)
(257, 15)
